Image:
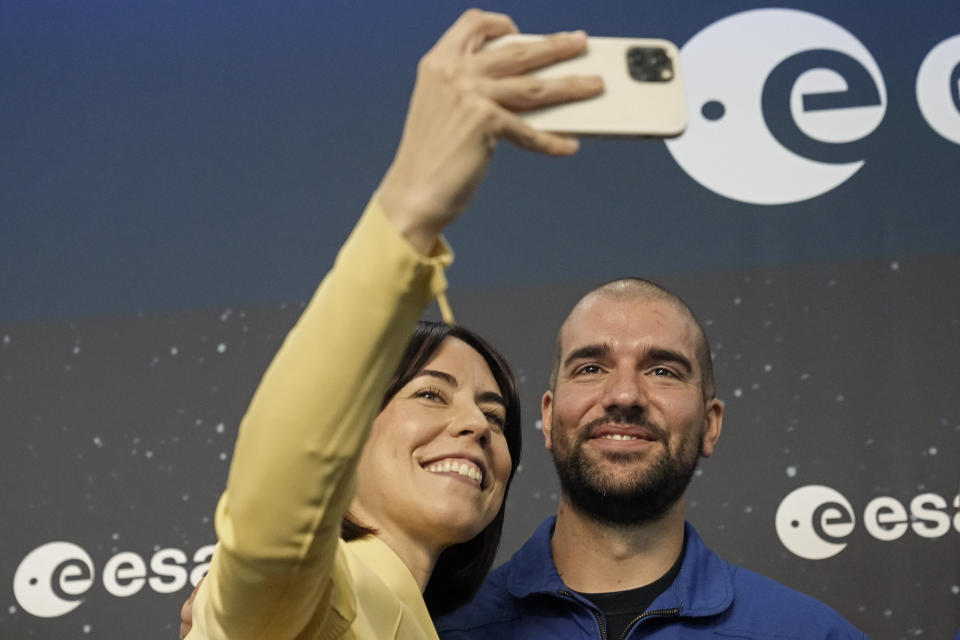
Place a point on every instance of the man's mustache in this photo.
(623, 417)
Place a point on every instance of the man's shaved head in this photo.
(638, 289)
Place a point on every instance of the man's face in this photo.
(627, 419)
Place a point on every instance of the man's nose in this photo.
(625, 389)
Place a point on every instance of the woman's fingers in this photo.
(186, 613)
(524, 93)
(515, 129)
(472, 30)
(522, 57)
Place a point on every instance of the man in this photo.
(630, 409)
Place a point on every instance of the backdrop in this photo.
(177, 176)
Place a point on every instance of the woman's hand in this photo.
(186, 613)
(467, 97)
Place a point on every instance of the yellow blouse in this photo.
(280, 569)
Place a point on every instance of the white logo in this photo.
(938, 89)
(812, 522)
(775, 97)
(52, 579)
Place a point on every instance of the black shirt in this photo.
(621, 608)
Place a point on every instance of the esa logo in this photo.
(778, 100)
(53, 579)
(814, 521)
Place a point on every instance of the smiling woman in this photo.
(445, 370)
(290, 562)
(416, 440)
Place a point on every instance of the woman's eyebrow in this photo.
(486, 396)
(492, 396)
(442, 375)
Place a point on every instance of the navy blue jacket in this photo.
(710, 598)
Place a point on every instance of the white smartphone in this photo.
(643, 89)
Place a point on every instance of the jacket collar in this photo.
(703, 587)
(383, 562)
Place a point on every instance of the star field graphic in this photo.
(119, 433)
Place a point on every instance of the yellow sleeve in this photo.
(292, 475)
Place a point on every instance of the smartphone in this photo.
(643, 89)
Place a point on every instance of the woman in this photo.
(428, 489)
(420, 394)
(425, 498)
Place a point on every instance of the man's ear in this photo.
(546, 418)
(712, 425)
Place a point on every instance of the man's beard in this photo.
(646, 495)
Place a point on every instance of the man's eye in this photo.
(663, 371)
(587, 369)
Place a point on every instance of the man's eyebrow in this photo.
(668, 355)
(587, 352)
(486, 396)
(657, 354)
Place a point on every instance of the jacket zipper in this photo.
(597, 616)
(603, 626)
(655, 612)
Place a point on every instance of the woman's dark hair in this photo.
(461, 568)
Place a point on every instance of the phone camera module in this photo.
(649, 64)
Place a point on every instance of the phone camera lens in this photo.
(649, 64)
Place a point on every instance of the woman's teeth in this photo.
(452, 466)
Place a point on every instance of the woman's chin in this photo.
(454, 528)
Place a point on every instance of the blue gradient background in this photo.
(171, 155)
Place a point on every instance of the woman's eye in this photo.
(495, 419)
(429, 394)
